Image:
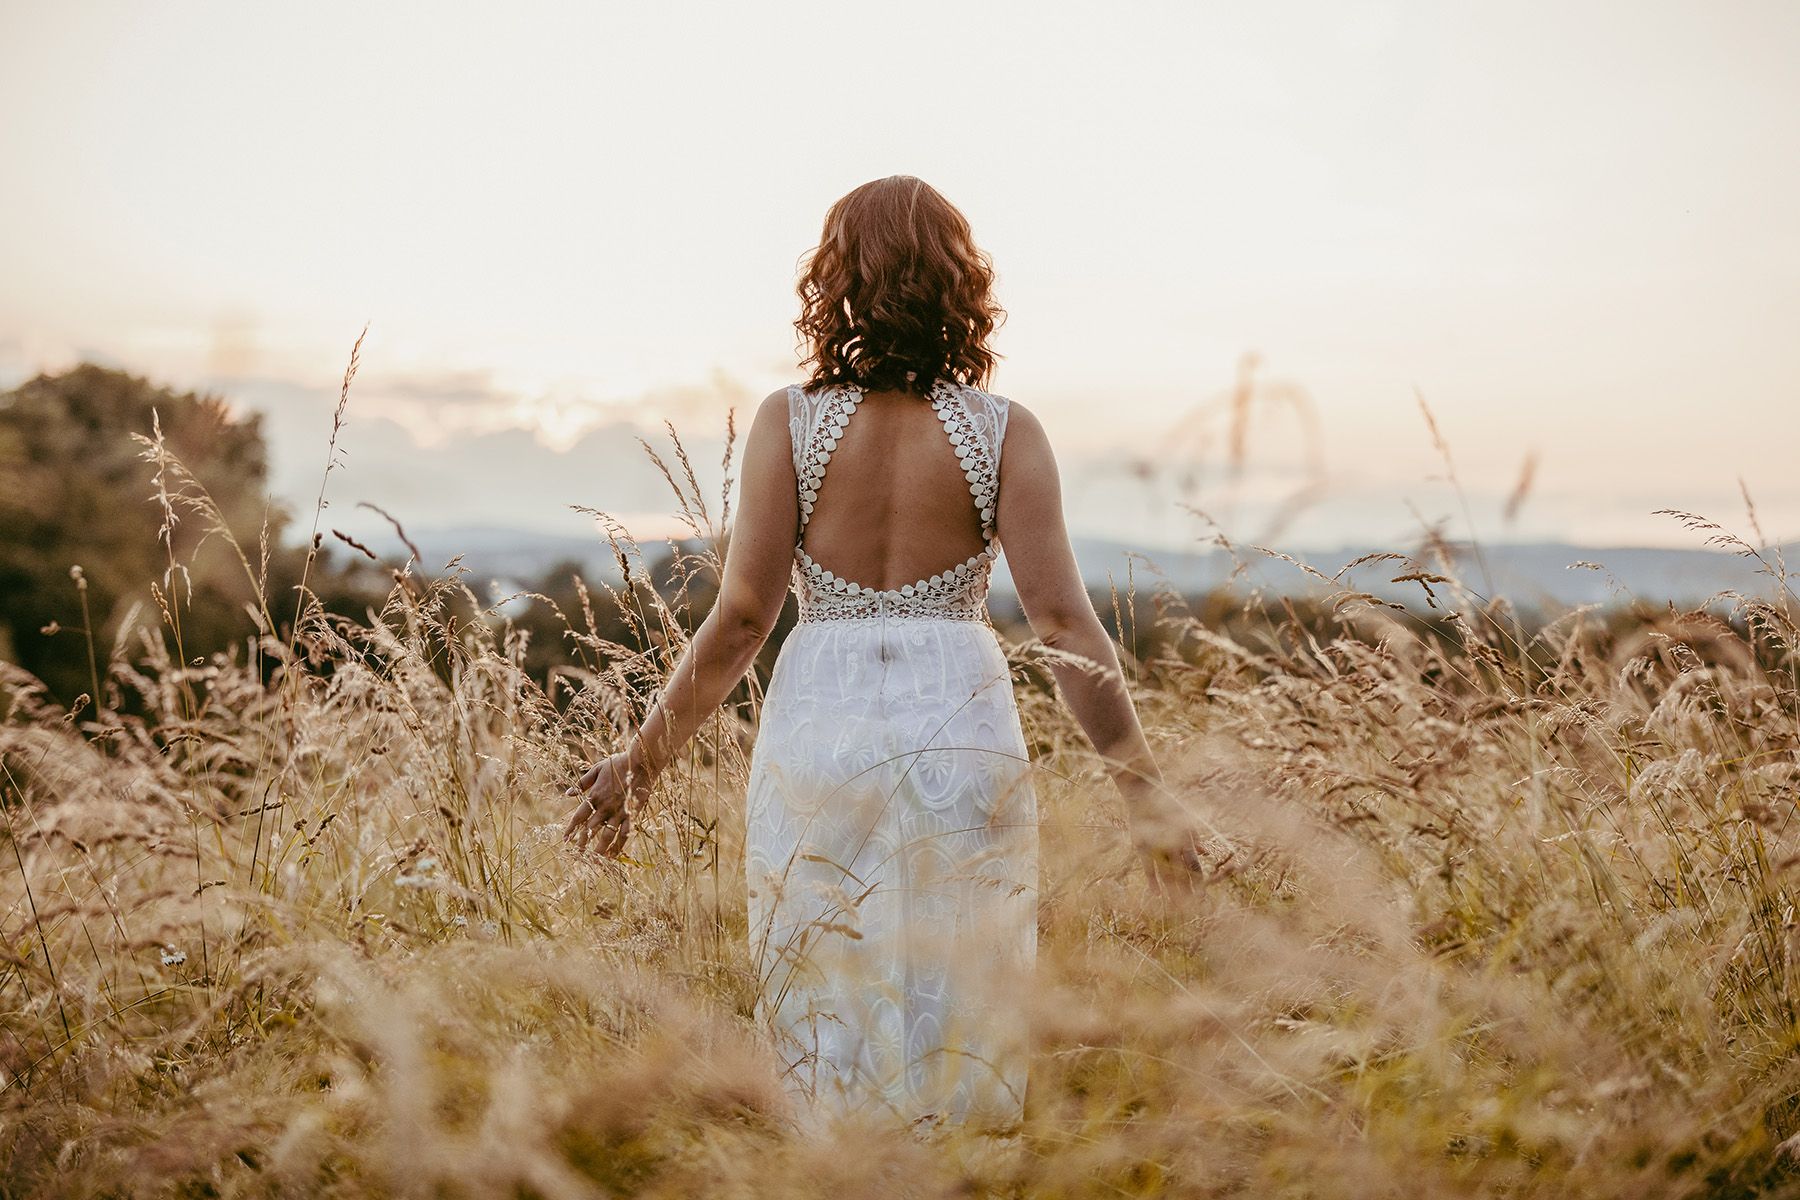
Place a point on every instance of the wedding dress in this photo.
(891, 842)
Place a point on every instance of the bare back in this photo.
(895, 506)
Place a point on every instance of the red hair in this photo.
(896, 294)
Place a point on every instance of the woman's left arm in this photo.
(758, 561)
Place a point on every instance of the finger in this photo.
(616, 836)
(581, 813)
(586, 781)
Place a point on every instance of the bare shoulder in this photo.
(772, 412)
(1017, 415)
(1030, 507)
(1026, 443)
(768, 442)
(775, 403)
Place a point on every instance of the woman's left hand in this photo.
(610, 793)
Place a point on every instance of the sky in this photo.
(1570, 229)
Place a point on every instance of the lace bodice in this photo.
(976, 424)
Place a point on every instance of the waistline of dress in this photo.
(888, 611)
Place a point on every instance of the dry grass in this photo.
(1502, 912)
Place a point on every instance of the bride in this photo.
(891, 823)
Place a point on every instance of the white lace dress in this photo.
(891, 848)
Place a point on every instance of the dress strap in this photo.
(976, 423)
(815, 424)
(799, 422)
(804, 408)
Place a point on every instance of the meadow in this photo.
(1491, 906)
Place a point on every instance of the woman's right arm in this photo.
(1032, 532)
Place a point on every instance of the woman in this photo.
(891, 824)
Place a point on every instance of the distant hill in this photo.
(1530, 574)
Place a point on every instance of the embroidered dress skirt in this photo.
(891, 858)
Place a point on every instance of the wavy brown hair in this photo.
(896, 294)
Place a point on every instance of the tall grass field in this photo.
(1491, 906)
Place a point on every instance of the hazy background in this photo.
(1570, 227)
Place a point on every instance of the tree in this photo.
(74, 491)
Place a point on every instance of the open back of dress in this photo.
(891, 842)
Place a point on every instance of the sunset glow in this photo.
(1569, 228)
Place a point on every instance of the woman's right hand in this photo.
(610, 792)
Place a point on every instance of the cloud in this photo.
(481, 471)
(438, 407)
